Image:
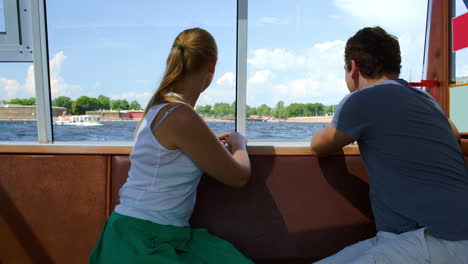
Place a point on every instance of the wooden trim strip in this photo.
(464, 146)
(254, 148)
(66, 148)
(459, 85)
(121, 148)
(267, 150)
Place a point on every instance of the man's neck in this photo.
(364, 82)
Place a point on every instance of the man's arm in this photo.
(455, 131)
(329, 140)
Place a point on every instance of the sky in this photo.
(295, 48)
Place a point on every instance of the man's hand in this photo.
(455, 131)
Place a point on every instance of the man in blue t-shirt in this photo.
(418, 176)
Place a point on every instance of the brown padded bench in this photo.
(295, 209)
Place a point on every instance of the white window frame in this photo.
(25, 40)
(33, 28)
(16, 43)
(41, 72)
(241, 67)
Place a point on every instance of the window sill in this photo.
(125, 147)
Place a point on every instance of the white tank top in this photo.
(161, 185)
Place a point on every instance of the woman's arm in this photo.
(186, 130)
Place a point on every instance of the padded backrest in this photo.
(296, 209)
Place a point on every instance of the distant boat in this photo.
(78, 120)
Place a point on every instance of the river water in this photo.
(123, 131)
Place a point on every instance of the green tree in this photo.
(329, 109)
(23, 101)
(32, 101)
(221, 109)
(134, 105)
(264, 110)
(120, 104)
(205, 110)
(280, 111)
(63, 101)
(296, 110)
(83, 104)
(104, 102)
(251, 111)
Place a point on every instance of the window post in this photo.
(241, 68)
(439, 51)
(41, 72)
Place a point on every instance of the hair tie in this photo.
(180, 46)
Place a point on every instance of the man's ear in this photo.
(354, 69)
(212, 66)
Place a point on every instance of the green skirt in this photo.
(131, 240)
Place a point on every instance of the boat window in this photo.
(461, 56)
(2, 18)
(296, 54)
(459, 91)
(107, 58)
(17, 102)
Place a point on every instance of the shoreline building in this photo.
(25, 112)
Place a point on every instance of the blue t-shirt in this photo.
(418, 176)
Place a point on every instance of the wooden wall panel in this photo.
(438, 54)
(52, 208)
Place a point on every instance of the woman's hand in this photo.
(236, 139)
(223, 137)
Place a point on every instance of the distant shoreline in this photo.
(306, 119)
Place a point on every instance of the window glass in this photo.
(461, 56)
(17, 102)
(296, 57)
(2, 18)
(459, 92)
(107, 58)
(459, 108)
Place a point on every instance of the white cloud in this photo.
(217, 94)
(313, 74)
(274, 20)
(322, 47)
(278, 58)
(229, 78)
(464, 71)
(59, 86)
(10, 87)
(260, 77)
(221, 91)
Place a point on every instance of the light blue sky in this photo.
(295, 49)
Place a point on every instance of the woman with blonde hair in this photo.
(173, 148)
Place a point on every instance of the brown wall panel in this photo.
(438, 57)
(52, 208)
(294, 208)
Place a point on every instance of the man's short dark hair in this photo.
(376, 53)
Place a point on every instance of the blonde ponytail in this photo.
(190, 50)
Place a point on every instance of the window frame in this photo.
(16, 43)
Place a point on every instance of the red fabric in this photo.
(460, 29)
